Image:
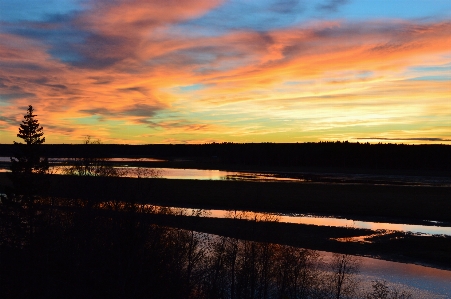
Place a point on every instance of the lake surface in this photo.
(129, 169)
(208, 174)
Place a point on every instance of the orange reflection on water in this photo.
(135, 160)
(339, 222)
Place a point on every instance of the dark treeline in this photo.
(323, 154)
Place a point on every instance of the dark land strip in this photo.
(408, 204)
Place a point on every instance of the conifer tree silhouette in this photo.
(27, 160)
(27, 176)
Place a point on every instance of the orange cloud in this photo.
(331, 49)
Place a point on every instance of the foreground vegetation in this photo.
(77, 250)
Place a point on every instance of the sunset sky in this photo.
(197, 71)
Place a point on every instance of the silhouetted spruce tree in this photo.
(27, 175)
(27, 161)
(31, 132)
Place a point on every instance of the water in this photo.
(423, 282)
(127, 170)
(323, 221)
(299, 177)
(209, 174)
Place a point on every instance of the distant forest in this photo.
(323, 154)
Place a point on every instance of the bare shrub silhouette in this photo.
(342, 280)
(140, 171)
(381, 290)
(90, 164)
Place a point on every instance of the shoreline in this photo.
(216, 165)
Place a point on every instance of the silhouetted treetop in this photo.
(27, 159)
(30, 130)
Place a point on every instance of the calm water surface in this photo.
(206, 174)
(324, 221)
(424, 282)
